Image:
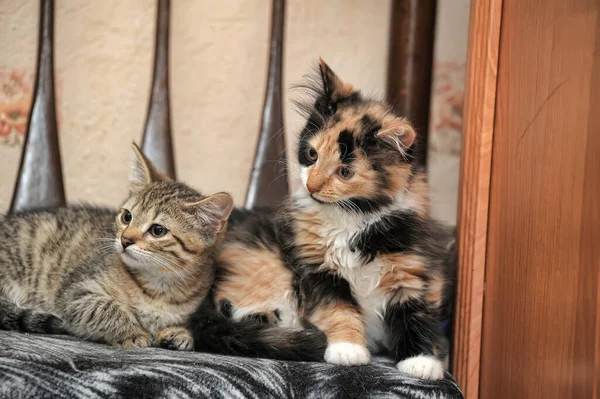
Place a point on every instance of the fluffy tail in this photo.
(14, 317)
(215, 333)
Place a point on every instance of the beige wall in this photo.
(218, 69)
(218, 62)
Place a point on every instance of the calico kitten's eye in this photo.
(312, 154)
(345, 172)
(332, 108)
(157, 230)
(126, 217)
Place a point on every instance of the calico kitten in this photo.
(354, 253)
(130, 281)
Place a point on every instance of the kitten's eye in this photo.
(157, 230)
(312, 154)
(332, 107)
(345, 172)
(126, 217)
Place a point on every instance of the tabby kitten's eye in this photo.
(345, 172)
(126, 217)
(312, 154)
(157, 230)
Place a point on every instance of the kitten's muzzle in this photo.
(126, 241)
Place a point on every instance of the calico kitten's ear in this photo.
(398, 132)
(143, 172)
(333, 87)
(214, 210)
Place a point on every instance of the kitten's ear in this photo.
(143, 172)
(214, 210)
(333, 87)
(398, 132)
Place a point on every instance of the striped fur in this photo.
(115, 280)
(354, 252)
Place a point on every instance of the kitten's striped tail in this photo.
(215, 333)
(14, 317)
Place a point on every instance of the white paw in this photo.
(426, 367)
(347, 354)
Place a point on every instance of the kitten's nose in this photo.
(126, 241)
(315, 182)
(312, 188)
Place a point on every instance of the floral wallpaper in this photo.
(448, 98)
(447, 102)
(15, 100)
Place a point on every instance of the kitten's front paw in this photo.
(426, 367)
(175, 338)
(347, 354)
(139, 340)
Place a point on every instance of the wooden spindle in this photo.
(39, 182)
(410, 64)
(157, 142)
(268, 180)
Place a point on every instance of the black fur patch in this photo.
(394, 233)
(312, 127)
(365, 205)
(226, 308)
(325, 288)
(214, 333)
(413, 329)
(346, 143)
(369, 131)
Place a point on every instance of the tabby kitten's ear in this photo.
(398, 132)
(333, 87)
(213, 210)
(144, 172)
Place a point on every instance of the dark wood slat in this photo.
(157, 142)
(39, 182)
(411, 63)
(268, 180)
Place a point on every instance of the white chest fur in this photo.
(363, 282)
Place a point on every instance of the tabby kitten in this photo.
(354, 253)
(129, 282)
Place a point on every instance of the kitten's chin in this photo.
(130, 260)
(320, 201)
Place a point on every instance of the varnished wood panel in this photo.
(410, 65)
(268, 179)
(157, 142)
(476, 158)
(39, 182)
(541, 305)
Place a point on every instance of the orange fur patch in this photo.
(340, 323)
(435, 291)
(402, 277)
(308, 239)
(256, 278)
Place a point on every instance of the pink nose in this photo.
(126, 241)
(312, 188)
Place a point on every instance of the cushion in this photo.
(44, 366)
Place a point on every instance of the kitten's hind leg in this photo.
(14, 317)
(415, 335)
(175, 338)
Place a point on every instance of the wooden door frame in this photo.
(475, 176)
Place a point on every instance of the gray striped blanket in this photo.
(37, 366)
